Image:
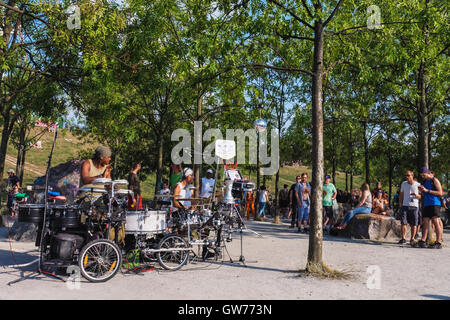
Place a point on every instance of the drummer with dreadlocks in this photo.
(97, 167)
(92, 169)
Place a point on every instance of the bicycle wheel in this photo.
(99, 260)
(172, 260)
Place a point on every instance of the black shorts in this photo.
(410, 215)
(328, 212)
(431, 211)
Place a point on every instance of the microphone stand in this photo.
(41, 246)
(41, 243)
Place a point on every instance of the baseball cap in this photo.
(10, 171)
(327, 177)
(187, 172)
(209, 171)
(425, 170)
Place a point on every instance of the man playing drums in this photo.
(97, 167)
(181, 190)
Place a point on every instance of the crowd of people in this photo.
(416, 204)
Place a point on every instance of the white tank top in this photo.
(185, 193)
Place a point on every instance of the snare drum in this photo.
(64, 216)
(31, 212)
(145, 221)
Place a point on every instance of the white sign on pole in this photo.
(225, 149)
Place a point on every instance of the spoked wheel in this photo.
(100, 260)
(172, 260)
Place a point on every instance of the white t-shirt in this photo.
(407, 189)
(207, 187)
(262, 196)
(165, 192)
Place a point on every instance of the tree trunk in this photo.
(334, 170)
(258, 176)
(159, 163)
(391, 169)
(366, 153)
(198, 141)
(346, 181)
(20, 164)
(315, 235)
(350, 144)
(422, 121)
(351, 180)
(6, 132)
(277, 212)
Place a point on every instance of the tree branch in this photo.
(366, 27)
(292, 14)
(289, 69)
(332, 13)
(307, 9)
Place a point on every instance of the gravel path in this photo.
(272, 272)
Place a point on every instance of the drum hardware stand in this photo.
(241, 225)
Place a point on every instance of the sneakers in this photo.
(421, 244)
(403, 241)
(436, 245)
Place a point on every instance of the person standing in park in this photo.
(12, 188)
(303, 193)
(134, 184)
(207, 184)
(283, 201)
(364, 206)
(329, 194)
(377, 189)
(250, 204)
(293, 212)
(447, 201)
(263, 200)
(409, 206)
(431, 191)
(175, 176)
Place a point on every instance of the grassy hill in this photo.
(68, 147)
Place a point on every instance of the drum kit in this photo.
(97, 230)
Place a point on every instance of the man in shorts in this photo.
(329, 194)
(409, 211)
(431, 192)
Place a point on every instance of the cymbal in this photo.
(92, 190)
(164, 196)
(124, 192)
(101, 181)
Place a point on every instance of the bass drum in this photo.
(32, 213)
(64, 216)
(153, 221)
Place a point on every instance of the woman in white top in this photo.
(263, 199)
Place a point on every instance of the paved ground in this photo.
(272, 272)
